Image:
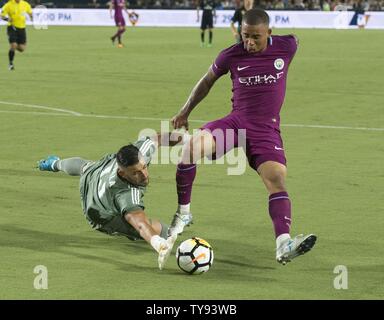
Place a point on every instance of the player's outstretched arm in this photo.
(199, 92)
(126, 9)
(110, 8)
(151, 233)
(139, 220)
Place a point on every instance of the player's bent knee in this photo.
(189, 151)
(273, 175)
(275, 181)
(203, 145)
(200, 145)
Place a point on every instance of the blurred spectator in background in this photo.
(325, 6)
(340, 6)
(279, 5)
(238, 18)
(94, 4)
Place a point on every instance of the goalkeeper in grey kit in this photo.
(112, 191)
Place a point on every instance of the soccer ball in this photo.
(194, 256)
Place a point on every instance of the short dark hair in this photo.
(256, 16)
(127, 156)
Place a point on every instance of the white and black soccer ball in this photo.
(194, 256)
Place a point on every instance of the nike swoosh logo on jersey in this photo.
(277, 148)
(242, 68)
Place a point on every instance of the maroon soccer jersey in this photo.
(119, 6)
(258, 79)
(258, 86)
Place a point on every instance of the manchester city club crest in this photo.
(279, 64)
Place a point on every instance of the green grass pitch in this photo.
(336, 177)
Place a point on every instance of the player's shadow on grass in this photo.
(240, 262)
(240, 254)
(18, 237)
(230, 256)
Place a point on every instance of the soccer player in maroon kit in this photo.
(258, 66)
(119, 6)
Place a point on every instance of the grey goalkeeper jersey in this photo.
(105, 195)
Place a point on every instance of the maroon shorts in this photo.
(260, 140)
(120, 22)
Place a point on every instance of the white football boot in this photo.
(292, 248)
(179, 222)
(165, 250)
